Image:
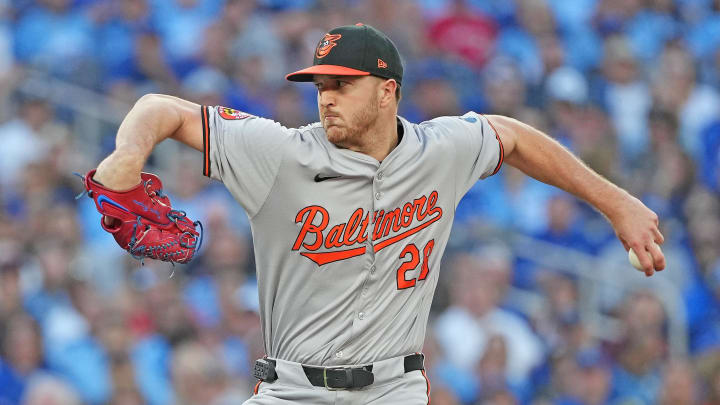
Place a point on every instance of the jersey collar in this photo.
(403, 128)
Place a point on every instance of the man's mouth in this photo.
(331, 120)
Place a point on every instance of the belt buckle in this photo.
(325, 382)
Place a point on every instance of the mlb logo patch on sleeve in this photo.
(231, 114)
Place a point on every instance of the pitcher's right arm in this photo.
(152, 119)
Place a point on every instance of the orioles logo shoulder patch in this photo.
(328, 42)
(231, 113)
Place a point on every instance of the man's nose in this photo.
(326, 98)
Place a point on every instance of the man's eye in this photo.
(341, 83)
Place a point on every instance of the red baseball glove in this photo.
(144, 223)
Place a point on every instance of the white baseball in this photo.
(635, 261)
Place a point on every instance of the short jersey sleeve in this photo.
(244, 152)
(478, 149)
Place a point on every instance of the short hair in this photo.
(398, 93)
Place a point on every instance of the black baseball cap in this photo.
(353, 50)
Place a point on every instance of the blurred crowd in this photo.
(630, 86)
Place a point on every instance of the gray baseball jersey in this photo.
(347, 248)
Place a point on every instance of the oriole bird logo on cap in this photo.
(327, 43)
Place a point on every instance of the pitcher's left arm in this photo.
(546, 160)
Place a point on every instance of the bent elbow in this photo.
(150, 98)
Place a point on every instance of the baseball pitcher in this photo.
(350, 215)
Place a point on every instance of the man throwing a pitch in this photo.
(351, 215)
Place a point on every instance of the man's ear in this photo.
(387, 92)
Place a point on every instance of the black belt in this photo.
(353, 377)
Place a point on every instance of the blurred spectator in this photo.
(500, 398)
(435, 97)
(710, 369)
(522, 42)
(703, 38)
(670, 178)
(11, 260)
(130, 48)
(179, 23)
(114, 333)
(577, 123)
(8, 68)
(566, 91)
(263, 64)
(651, 28)
(709, 163)
(27, 138)
(200, 378)
(594, 379)
(566, 85)
(404, 23)
(558, 321)
(663, 132)
(627, 97)
(705, 332)
(206, 86)
(679, 386)
(492, 373)
(611, 16)
(6, 55)
(463, 330)
(442, 396)
(702, 210)
(582, 379)
(502, 197)
(573, 16)
(56, 37)
(170, 325)
(504, 87)
(564, 226)
(72, 349)
(675, 89)
(464, 34)
(289, 109)
(21, 357)
(639, 355)
(50, 390)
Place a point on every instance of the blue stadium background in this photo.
(536, 304)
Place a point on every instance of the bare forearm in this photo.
(150, 121)
(546, 160)
(543, 158)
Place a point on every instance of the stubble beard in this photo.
(358, 125)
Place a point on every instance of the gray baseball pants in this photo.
(392, 385)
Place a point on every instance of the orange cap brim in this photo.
(306, 75)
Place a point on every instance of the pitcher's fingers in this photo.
(625, 244)
(657, 255)
(643, 255)
(659, 238)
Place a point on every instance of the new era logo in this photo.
(382, 64)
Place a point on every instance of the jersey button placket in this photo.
(378, 195)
